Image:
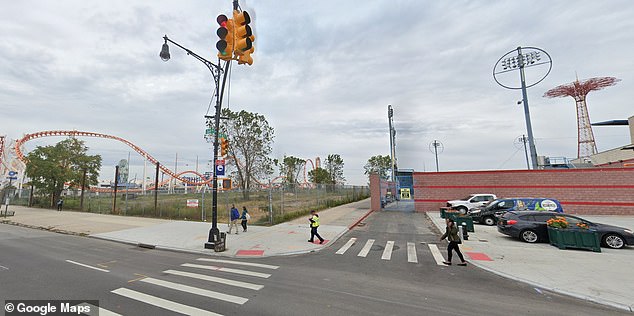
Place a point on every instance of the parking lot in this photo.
(604, 277)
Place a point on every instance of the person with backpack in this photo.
(451, 233)
(245, 217)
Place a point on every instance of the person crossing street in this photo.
(314, 224)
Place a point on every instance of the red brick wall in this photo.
(580, 191)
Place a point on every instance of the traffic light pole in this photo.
(214, 232)
(216, 70)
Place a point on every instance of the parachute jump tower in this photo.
(579, 90)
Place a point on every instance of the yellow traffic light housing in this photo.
(226, 42)
(244, 37)
(224, 147)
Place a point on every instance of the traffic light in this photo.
(244, 37)
(224, 147)
(226, 37)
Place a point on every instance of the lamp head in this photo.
(165, 52)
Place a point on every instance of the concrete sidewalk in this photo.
(258, 241)
(605, 277)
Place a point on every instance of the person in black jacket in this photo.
(451, 233)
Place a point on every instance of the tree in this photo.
(319, 176)
(50, 167)
(379, 164)
(334, 166)
(250, 138)
(290, 169)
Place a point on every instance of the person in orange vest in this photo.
(314, 224)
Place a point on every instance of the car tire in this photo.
(488, 220)
(529, 236)
(463, 210)
(613, 241)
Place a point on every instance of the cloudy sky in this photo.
(324, 74)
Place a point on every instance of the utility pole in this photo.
(116, 184)
(83, 188)
(156, 187)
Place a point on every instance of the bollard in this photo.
(464, 232)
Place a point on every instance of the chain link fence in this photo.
(266, 206)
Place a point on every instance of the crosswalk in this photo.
(411, 251)
(187, 279)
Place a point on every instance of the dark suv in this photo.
(530, 226)
(489, 214)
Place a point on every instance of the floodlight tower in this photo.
(579, 90)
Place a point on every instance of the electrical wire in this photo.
(507, 160)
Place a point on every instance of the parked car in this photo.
(530, 226)
(473, 201)
(488, 214)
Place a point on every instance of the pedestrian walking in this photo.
(451, 233)
(60, 204)
(245, 217)
(235, 216)
(314, 224)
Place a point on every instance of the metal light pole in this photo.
(216, 71)
(436, 145)
(390, 114)
(531, 56)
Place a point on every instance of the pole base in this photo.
(216, 240)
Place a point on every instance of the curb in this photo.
(360, 219)
(593, 299)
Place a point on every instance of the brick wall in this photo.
(607, 191)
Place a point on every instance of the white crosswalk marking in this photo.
(436, 253)
(162, 303)
(347, 246)
(387, 252)
(230, 270)
(209, 278)
(366, 248)
(411, 252)
(241, 263)
(195, 290)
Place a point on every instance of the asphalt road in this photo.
(129, 280)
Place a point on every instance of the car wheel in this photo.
(462, 210)
(529, 236)
(613, 241)
(488, 221)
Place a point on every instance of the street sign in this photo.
(220, 170)
(12, 173)
(220, 162)
(192, 203)
(12, 178)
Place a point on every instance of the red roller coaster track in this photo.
(146, 155)
(143, 153)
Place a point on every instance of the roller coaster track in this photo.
(56, 133)
(143, 153)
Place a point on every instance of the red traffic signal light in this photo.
(226, 37)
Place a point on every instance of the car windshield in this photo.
(468, 197)
(492, 204)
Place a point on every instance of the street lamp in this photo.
(390, 115)
(525, 57)
(216, 71)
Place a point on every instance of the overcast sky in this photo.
(324, 74)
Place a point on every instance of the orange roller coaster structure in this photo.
(146, 155)
(28, 137)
